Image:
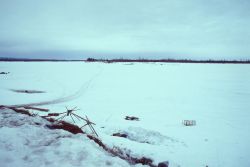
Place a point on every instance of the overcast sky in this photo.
(196, 29)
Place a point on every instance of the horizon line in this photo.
(117, 60)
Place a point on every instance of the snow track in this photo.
(76, 95)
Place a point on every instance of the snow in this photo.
(216, 96)
(24, 143)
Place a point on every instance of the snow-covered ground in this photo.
(216, 96)
(25, 141)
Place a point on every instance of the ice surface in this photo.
(216, 96)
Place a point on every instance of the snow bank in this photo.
(25, 141)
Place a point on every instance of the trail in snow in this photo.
(77, 94)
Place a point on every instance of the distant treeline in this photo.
(169, 61)
(142, 60)
(34, 60)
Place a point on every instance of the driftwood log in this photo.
(36, 108)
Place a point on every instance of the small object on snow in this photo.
(163, 164)
(132, 118)
(4, 72)
(144, 161)
(120, 135)
(52, 115)
(189, 122)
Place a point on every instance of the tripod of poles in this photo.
(70, 112)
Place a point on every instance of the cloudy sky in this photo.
(196, 29)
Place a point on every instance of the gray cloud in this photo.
(149, 28)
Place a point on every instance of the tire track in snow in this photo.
(77, 94)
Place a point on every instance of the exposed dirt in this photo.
(65, 126)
